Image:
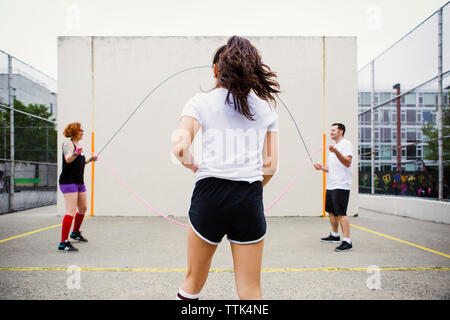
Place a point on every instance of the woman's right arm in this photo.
(69, 151)
(270, 156)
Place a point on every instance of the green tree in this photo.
(30, 133)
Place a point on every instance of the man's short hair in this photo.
(340, 127)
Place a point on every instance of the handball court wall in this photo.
(101, 80)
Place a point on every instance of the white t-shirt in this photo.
(231, 144)
(339, 176)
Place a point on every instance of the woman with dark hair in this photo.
(239, 157)
(71, 184)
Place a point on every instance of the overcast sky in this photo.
(29, 28)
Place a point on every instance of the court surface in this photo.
(145, 258)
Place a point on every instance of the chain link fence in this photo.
(34, 184)
(28, 112)
(404, 117)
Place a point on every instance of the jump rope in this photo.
(132, 192)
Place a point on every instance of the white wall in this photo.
(127, 68)
(422, 209)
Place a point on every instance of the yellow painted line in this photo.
(31, 232)
(178, 270)
(341, 269)
(401, 241)
(35, 231)
(353, 225)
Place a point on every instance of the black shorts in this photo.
(336, 202)
(224, 207)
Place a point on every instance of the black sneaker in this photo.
(66, 246)
(331, 239)
(345, 246)
(77, 236)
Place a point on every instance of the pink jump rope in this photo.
(126, 186)
(134, 194)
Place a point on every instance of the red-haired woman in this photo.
(71, 184)
(240, 155)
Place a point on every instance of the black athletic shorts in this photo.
(336, 201)
(224, 207)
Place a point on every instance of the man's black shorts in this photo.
(336, 201)
(224, 207)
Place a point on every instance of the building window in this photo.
(385, 117)
(430, 99)
(365, 152)
(384, 96)
(411, 135)
(410, 100)
(385, 134)
(411, 153)
(385, 155)
(365, 98)
(366, 118)
(376, 153)
(427, 117)
(365, 134)
(411, 117)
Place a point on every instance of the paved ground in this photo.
(145, 258)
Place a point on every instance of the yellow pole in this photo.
(324, 178)
(93, 125)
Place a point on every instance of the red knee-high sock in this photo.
(78, 220)
(66, 224)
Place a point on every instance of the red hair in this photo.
(72, 130)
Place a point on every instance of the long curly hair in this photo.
(241, 70)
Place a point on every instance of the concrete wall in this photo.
(416, 208)
(126, 69)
